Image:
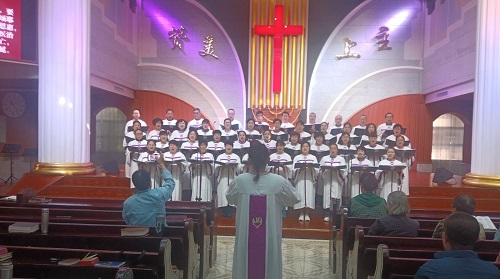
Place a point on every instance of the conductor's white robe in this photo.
(257, 248)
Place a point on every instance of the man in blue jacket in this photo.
(141, 208)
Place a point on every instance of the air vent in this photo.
(440, 94)
(119, 89)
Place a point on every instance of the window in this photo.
(447, 138)
(110, 124)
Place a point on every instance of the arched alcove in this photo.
(448, 142)
(109, 136)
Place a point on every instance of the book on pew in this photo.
(486, 222)
(9, 199)
(135, 231)
(69, 262)
(7, 257)
(89, 260)
(109, 264)
(24, 227)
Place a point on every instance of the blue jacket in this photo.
(141, 208)
(458, 264)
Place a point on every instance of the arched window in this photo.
(447, 138)
(110, 123)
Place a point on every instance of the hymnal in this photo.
(24, 227)
(335, 131)
(283, 137)
(234, 127)
(109, 264)
(288, 130)
(144, 129)
(68, 262)
(359, 132)
(88, 260)
(135, 231)
(486, 222)
(308, 128)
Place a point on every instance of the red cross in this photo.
(278, 29)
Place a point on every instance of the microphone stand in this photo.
(200, 172)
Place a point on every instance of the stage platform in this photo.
(423, 195)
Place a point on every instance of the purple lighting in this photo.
(160, 18)
(398, 19)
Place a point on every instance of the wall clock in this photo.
(13, 104)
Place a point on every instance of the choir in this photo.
(315, 159)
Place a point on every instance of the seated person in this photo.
(396, 223)
(141, 208)
(461, 203)
(460, 232)
(368, 204)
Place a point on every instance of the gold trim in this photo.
(64, 169)
(482, 180)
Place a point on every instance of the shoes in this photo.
(301, 217)
(307, 219)
(327, 219)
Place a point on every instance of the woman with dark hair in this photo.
(367, 204)
(304, 180)
(180, 135)
(155, 133)
(259, 197)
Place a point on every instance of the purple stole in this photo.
(257, 237)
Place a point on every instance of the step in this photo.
(86, 192)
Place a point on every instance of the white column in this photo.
(485, 125)
(64, 82)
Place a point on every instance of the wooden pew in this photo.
(107, 237)
(41, 262)
(173, 207)
(389, 266)
(93, 216)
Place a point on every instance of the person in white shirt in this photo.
(304, 136)
(362, 123)
(407, 160)
(225, 175)
(189, 147)
(268, 142)
(333, 178)
(138, 143)
(285, 118)
(205, 131)
(337, 125)
(312, 122)
(147, 161)
(359, 161)
(180, 135)
(251, 132)
(371, 128)
(170, 120)
(227, 132)
(201, 174)
(176, 164)
(324, 131)
(136, 115)
(391, 179)
(276, 131)
(162, 145)
(304, 179)
(283, 170)
(230, 114)
(376, 151)
(197, 121)
(388, 125)
(155, 134)
(260, 123)
(241, 144)
(396, 132)
(293, 147)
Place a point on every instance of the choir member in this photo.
(136, 115)
(318, 148)
(197, 121)
(140, 143)
(281, 157)
(227, 132)
(390, 178)
(191, 145)
(268, 142)
(324, 131)
(155, 134)
(293, 147)
(250, 130)
(216, 145)
(359, 161)
(370, 129)
(170, 120)
(304, 136)
(362, 123)
(162, 145)
(285, 118)
(333, 178)
(147, 161)
(260, 123)
(337, 126)
(180, 135)
(304, 179)
(375, 151)
(205, 131)
(225, 175)
(230, 114)
(407, 160)
(396, 131)
(176, 164)
(201, 174)
(388, 125)
(276, 131)
(241, 144)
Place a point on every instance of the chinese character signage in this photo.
(10, 29)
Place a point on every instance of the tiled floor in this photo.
(302, 258)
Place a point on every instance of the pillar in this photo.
(485, 130)
(64, 87)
